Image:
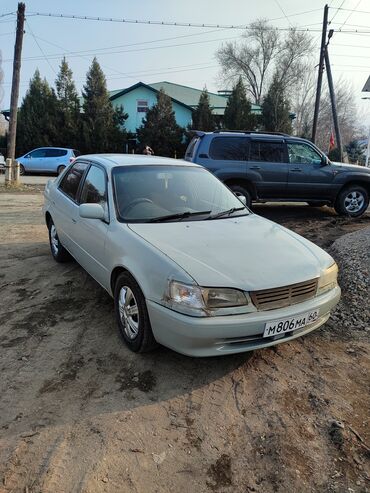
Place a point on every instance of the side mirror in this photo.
(28, 156)
(91, 211)
(241, 197)
(324, 160)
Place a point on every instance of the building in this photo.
(138, 98)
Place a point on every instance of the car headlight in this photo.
(199, 301)
(328, 279)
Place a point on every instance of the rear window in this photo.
(229, 148)
(271, 152)
(190, 150)
(72, 179)
(55, 152)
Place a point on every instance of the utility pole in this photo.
(321, 70)
(333, 99)
(12, 168)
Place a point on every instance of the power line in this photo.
(42, 51)
(337, 10)
(8, 13)
(355, 10)
(349, 15)
(283, 12)
(173, 24)
(58, 55)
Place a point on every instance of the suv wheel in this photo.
(352, 201)
(132, 315)
(240, 189)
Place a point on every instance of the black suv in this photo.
(275, 166)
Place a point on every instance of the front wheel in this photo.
(22, 171)
(352, 201)
(132, 315)
(243, 191)
(59, 253)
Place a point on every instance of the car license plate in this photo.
(289, 324)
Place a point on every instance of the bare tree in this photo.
(262, 52)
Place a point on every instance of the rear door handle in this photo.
(255, 167)
(296, 169)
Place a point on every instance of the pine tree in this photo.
(203, 118)
(101, 130)
(160, 130)
(275, 109)
(38, 116)
(237, 114)
(69, 107)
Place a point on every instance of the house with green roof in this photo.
(138, 98)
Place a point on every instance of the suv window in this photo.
(300, 153)
(72, 179)
(55, 152)
(271, 152)
(94, 190)
(229, 148)
(191, 146)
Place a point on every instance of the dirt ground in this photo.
(80, 413)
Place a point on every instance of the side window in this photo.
(72, 179)
(94, 190)
(300, 153)
(37, 153)
(55, 152)
(229, 148)
(271, 152)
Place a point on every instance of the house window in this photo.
(142, 106)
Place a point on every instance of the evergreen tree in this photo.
(69, 107)
(160, 130)
(203, 118)
(238, 110)
(38, 116)
(275, 109)
(101, 127)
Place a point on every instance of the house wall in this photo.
(134, 120)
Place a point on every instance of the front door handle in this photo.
(296, 169)
(255, 167)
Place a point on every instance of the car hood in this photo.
(248, 252)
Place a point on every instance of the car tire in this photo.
(352, 201)
(317, 204)
(59, 253)
(60, 169)
(132, 315)
(22, 171)
(240, 189)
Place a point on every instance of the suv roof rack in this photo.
(249, 132)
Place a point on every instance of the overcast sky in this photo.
(149, 57)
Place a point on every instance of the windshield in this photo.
(156, 193)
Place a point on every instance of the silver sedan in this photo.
(188, 264)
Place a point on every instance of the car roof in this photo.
(251, 134)
(114, 160)
(52, 147)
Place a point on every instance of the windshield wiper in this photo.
(179, 215)
(226, 213)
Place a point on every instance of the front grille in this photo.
(270, 299)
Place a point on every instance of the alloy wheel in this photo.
(54, 240)
(129, 312)
(354, 201)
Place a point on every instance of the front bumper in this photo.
(213, 336)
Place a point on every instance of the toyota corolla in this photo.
(188, 264)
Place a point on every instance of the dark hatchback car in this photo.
(279, 167)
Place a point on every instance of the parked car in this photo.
(188, 264)
(47, 160)
(278, 167)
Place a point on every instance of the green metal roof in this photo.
(188, 96)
